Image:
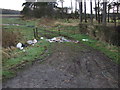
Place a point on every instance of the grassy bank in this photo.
(18, 59)
(13, 58)
(73, 32)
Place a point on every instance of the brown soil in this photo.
(69, 66)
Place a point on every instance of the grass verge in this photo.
(32, 53)
(18, 58)
(73, 32)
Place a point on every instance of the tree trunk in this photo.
(118, 11)
(108, 16)
(109, 7)
(71, 7)
(114, 17)
(80, 9)
(75, 5)
(95, 10)
(115, 20)
(85, 10)
(62, 8)
(91, 15)
(104, 12)
(98, 12)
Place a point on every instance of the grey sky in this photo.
(17, 4)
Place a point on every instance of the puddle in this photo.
(11, 24)
(17, 25)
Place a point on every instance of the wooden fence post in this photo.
(34, 33)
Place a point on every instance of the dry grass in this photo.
(9, 38)
(46, 22)
(5, 55)
(67, 24)
(53, 22)
(9, 41)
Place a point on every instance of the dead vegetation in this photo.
(70, 22)
(9, 38)
(46, 22)
(53, 22)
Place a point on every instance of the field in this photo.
(15, 59)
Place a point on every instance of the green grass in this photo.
(7, 74)
(31, 53)
(34, 52)
(73, 32)
(101, 46)
(27, 32)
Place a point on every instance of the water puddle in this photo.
(11, 24)
(31, 26)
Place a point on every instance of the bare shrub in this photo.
(9, 38)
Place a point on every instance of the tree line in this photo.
(102, 11)
(9, 11)
(48, 9)
(101, 8)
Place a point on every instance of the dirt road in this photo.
(69, 66)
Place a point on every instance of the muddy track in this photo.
(69, 66)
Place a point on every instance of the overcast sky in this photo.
(11, 4)
(17, 4)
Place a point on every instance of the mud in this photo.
(69, 66)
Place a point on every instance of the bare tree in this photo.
(75, 5)
(117, 5)
(96, 10)
(91, 12)
(62, 6)
(85, 10)
(109, 7)
(80, 9)
(71, 7)
(104, 12)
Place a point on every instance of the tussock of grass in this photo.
(9, 38)
(7, 74)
